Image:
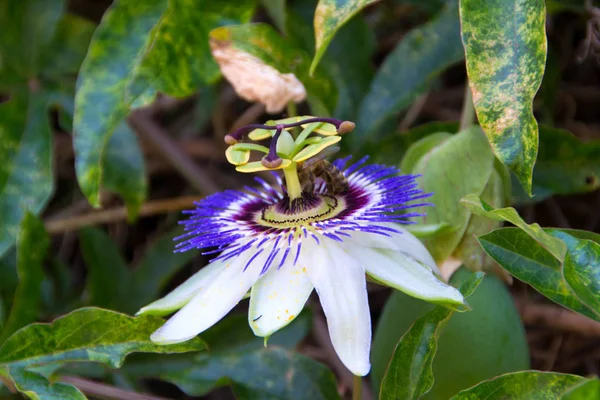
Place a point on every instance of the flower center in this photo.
(302, 211)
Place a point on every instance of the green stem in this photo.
(293, 112)
(291, 109)
(468, 111)
(357, 388)
(292, 183)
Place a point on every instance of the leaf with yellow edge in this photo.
(314, 149)
(330, 16)
(102, 98)
(505, 48)
(179, 61)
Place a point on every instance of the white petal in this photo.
(404, 241)
(400, 271)
(368, 239)
(184, 292)
(279, 296)
(340, 283)
(212, 303)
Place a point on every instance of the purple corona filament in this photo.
(234, 221)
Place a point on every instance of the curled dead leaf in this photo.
(253, 80)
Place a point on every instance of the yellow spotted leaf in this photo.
(505, 49)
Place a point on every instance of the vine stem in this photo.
(468, 110)
(291, 109)
(357, 388)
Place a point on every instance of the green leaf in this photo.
(505, 49)
(37, 387)
(61, 289)
(492, 332)
(2, 314)
(32, 244)
(392, 149)
(449, 181)
(469, 250)
(234, 353)
(330, 16)
(109, 279)
(263, 42)
(526, 259)
(60, 95)
(27, 28)
(26, 169)
(409, 375)
(423, 231)
(306, 379)
(587, 390)
(103, 97)
(420, 148)
(124, 169)
(87, 334)
(406, 72)
(9, 278)
(565, 165)
(351, 71)
(580, 269)
(522, 385)
(277, 11)
(578, 233)
(555, 246)
(65, 53)
(155, 269)
(179, 61)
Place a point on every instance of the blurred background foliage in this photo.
(112, 118)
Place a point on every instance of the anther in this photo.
(230, 140)
(346, 127)
(272, 160)
(271, 163)
(237, 135)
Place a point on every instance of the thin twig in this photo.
(357, 388)
(553, 351)
(119, 214)
(557, 318)
(557, 214)
(198, 147)
(143, 122)
(413, 112)
(248, 116)
(103, 390)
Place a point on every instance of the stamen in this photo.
(342, 127)
(235, 137)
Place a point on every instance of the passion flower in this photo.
(323, 227)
